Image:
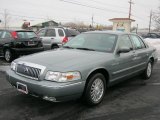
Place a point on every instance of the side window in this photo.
(138, 43)
(1, 33)
(41, 33)
(153, 35)
(6, 35)
(125, 42)
(60, 32)
(51, 33)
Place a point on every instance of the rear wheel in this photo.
(95, 89)
(148, 71)
(54, 47)
(8, 55)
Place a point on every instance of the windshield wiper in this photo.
(68, 47)
(86, 49)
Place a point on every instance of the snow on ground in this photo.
(155, 43)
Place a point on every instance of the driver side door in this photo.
(123, 62)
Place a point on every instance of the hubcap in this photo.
(97, 90)
(149, 69)
(7, 55)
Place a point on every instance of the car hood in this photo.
(65, 58)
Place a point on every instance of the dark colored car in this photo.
(152, 35)
(54, 37)
(19, 42)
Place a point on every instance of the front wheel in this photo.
(95, 89)
(8, 55)
(148, 71)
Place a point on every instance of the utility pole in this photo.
(92, 21)
(130, 8)
(137, 29)
(150, 21)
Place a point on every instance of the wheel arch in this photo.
(98, 70)
(54, 44)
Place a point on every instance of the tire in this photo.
(54, 47)
(8, 55)
(148, 71)
(95, 89)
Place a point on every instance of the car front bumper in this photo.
(47, 89)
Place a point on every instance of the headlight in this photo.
(62, 77)
(13, 66)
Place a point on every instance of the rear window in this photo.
(71, 32)
(26, 34)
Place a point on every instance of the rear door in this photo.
(47, 38)
(1, 43)
(140, 53)
(5, 38)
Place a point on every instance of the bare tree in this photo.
(156, 19)
(6, 19)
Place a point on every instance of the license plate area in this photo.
(30, 43)
(22, 88)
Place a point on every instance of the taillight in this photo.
(65, 39)
(14, 35)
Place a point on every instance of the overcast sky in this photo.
(60, 11)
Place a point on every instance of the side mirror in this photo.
(124, 50)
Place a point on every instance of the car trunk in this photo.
(26, 39)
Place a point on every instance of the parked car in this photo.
(19, 42)
(152, 35)
(53, 38)
(84, 67)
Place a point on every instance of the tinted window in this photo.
(60, 32)
(1, 33)
(7, 35)
(125, 42)
(41, 33)
(71, 32)
(138, 43)
(51, 33)
(26, 34)
(153, 35)
(97, 41)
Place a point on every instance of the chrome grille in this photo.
(28, 71)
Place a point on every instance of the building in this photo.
(38, 26)
(122, 24)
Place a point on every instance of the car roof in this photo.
(111, 32)
(16, 30)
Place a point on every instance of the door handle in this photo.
(52, 38)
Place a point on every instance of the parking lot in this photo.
(126, 101)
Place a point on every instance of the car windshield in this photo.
(26, 34)
(93, 41)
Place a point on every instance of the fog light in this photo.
(52, 99)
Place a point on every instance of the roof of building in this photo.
(113, 19)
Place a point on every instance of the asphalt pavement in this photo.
(126, 101)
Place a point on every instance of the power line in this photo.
(102, 3)
(104, 9)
